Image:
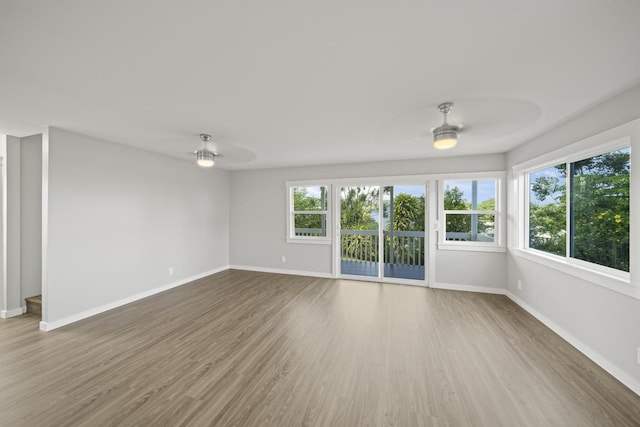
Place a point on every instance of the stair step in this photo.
(34, 304)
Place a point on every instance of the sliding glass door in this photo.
(360, 231)
(404, 232)
(382, 232)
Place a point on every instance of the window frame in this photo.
(526, 208)
(499, 242)
(608, 277)
(291, 213)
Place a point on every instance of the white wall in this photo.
(3, 232)
(119, 217)
(23, 204)
(258, 222)
(604, 323)
(30, 216)
(13, 227)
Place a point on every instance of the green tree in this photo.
(486, 222)
(600, 209)
(408, 215)
(547, 216)
(356, 205)
(599, 215)
(303, 201)
(547, 229)
(454, 200)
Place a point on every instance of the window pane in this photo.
(470, 228)
(470, 195)
(310, 225)
(359, 230)
(359, 208)
(600, 209)
(310, 198)
(547, 210)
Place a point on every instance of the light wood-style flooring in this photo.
(257, 349)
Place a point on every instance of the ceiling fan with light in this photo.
(445, 136)
(204, 156)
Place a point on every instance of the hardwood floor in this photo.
(244, 348)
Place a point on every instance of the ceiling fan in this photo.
(204, 156)
(445, 136)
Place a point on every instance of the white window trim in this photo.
(499, 243)
(607, 277)
(314, 240)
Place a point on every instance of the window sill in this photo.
(609, 281)
(322, 241)
(471, 247)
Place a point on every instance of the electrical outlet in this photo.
(519, 285)
(284, 258)
(170, 271)
(638, 355)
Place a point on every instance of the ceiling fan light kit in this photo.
(205, 157)
(445, 136)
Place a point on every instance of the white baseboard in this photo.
(49, 326)
(282, 271)
(5, 314)
(468, 288)
(596, 357)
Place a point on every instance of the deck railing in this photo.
(467, 237)
(404, 247)
(359, 245)
(400, 247)
(310, 232)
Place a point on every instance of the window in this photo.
(308, 213)
(579, 209)
(470, 212)
(547, 210)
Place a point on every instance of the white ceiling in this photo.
(294, 82)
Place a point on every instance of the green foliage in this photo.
(599, 211)
(360, 247)
(462, 223)
(302, 201)
(487, 205)
(547, 228)
(454, 201)
(356, 204)
(600, 215)
(547, 214)
(304, 222)
(408, 213)
(546, 187)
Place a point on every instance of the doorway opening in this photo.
(382, 232)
